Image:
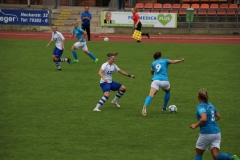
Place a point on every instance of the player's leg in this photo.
(74, 47)
(59, 59)
(153, 91)
(55, 60)
(90, 54)
(215, 147)
(203, 143)
(225, 156)
(199, 153)
(165, 85)
(121, 90)
(106, 94)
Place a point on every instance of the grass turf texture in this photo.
(47, 114)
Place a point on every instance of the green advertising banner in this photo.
(159, 20)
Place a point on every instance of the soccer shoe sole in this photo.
(144, 111)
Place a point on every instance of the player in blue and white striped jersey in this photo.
(107, 84)
(59, 47)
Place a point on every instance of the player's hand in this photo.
(47, 45)
(193, 126)
(133, 76)
(80, 40)
(182, 59)
(63, 48)
(105, 80)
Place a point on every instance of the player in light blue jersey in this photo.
(59, 48)
(159, 70)
(210, 136)
(80, 34)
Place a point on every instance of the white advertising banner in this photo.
(159, 20)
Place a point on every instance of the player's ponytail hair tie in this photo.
(111, 55)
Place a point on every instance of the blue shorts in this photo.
(106, 87)
(57, 52)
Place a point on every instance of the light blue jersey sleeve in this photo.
(201, 110)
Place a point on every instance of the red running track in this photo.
(202, 39)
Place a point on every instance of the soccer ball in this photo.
(172, 109)
(106, 39)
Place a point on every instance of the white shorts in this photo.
(206, 141)
(165, 85)
(82, 45)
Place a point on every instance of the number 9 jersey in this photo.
(160, 68)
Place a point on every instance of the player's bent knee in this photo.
(123, 88)
(73, 48)
(107, 94)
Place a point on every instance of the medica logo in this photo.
(7, 18)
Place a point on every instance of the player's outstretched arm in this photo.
(126, 74)
(176, 61)
(72, 36)
(49, 43)
(101, 75)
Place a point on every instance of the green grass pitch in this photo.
(47, 114)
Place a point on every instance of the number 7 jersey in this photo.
(160, 68)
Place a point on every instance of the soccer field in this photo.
(46, 114)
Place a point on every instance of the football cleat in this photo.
(96, 109)
(95, 61)
(69, 61)
(164, 109)
(235, 157)
(75, 61)
(144, 111)
(116, 104)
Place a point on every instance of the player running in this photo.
(210, 135)
(159, 71)
(107, 84)
(59, 47)
(80, 34)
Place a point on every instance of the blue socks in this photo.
(224, 156)
(92, 56)
(148, 100)
(198, 157)
(166, 99)
(75, 54)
